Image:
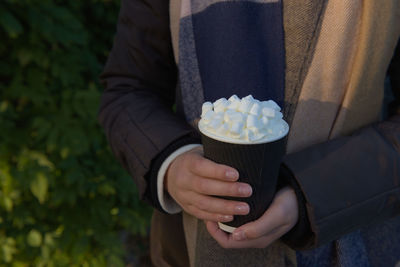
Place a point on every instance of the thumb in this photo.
(266, 224)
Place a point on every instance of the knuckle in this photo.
(197, 164)
(202, 186)
(234, 189)
(203, 204)
(194, 163)
(189, 161)
(230, 207)
(218, 171)
(198, 185)
(182, 159)
(250, 232)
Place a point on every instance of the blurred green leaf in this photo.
(39, 187)
(106, 189)
(34, 238)
(7, 248)
(41, 159)
(24, 57)
(8, 21)
(8, 204)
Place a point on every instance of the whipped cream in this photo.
(245, 120)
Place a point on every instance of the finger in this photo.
(220, 236)
(204, 215)
(277, 215)
(268, 222)
(261, 242)
(220, 206)
(207, 168)
(220, 188)
(226, 240)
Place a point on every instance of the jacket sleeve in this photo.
(140, 80)
(350, 181)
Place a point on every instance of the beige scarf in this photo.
(342, 86)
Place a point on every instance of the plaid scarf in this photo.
(237, 47)
(230, 47)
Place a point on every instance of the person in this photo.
(325, 62)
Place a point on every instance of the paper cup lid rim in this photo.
(244, 142)
(226, 228)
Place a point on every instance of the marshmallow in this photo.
(245, 105)
(207, 117)
(223, 129)
(234, 116)
(249, 134)
(216, 122)
(229, 114)
(220, 105)
(271, 104)
(256, 109)
(237, 127)
(252, 122)
(248, 98)
(268, 112)
(264, 121)
(234, 98)
(207, 106)
(219, 101)
(234, 104)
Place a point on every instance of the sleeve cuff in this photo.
(300, 237)
(167, 203)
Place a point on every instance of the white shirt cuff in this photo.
(167, 203)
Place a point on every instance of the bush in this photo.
(63, 197)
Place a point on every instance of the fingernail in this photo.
(227, 218)
(242, 209)
(245, 190)
(231, 175)
(239, 236)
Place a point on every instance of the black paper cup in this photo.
(257, 164)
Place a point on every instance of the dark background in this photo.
(64, 200)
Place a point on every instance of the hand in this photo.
(279, 218)
(193, 181)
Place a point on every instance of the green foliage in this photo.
(63, 197)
